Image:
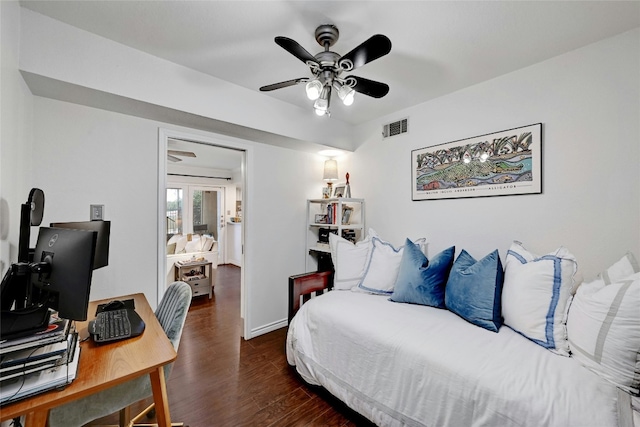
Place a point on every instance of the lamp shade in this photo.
(330, 170)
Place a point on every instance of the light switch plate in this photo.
(97, 212)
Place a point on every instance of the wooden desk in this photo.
(107, 365)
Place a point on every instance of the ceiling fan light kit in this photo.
(314, 89)
(327, 67)
(172, 155)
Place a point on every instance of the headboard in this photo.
(303, 286)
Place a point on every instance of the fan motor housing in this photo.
(327, 58)
(327, 34)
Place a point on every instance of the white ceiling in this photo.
(207, 157)
(438, 46)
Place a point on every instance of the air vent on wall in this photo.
(395, 128)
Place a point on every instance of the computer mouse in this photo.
(113, 305)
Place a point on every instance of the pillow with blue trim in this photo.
(535, 297)
(474, 289)
(349, 260)
(383, 266)
(421, 281)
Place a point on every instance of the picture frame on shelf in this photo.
(320, 219)
(326, 192)
(346, 215)
(339, 190)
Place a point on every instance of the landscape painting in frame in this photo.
(497, 164)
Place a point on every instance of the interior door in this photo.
(207, 213)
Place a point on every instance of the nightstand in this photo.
(196, 274)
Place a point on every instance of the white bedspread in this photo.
(402, 364)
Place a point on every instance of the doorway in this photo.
(197, 210)
(201, 188)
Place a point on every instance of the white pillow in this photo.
(604, 330)
(208, 243)
(535, 295)
(383, 266)
(623, 268)
(173, 239)
(349, 260)
(180, 244)
(195, 245)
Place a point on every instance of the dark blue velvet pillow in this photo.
(421, 281)
(474, 290)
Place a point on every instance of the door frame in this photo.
(220, 141)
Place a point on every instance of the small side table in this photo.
(196, 274)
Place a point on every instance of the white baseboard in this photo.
(270, 327)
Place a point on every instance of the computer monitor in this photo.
(102, 245)
(63, 267)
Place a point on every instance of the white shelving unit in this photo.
(339, 215)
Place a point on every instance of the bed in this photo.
(411, 365)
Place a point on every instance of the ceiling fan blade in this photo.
(372, 49)
(181, 153)
(294, 48)
(368, 87)
(173, 158)
(283, 84)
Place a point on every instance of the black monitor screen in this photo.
(102, 245)
(66, 259)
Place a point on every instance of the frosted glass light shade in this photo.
(346, 94)
(330, 170)
(314, 89)
(321, 106)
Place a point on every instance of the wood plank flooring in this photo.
(220, 379)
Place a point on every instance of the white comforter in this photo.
(402, 364)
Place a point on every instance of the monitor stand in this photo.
(17, 319)
(23, 322)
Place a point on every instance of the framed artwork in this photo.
(502, 163)
(346, 215)
(339, 190)
(320, 219)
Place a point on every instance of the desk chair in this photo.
(171, 313)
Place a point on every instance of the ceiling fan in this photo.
(327, 68)
(174, 155)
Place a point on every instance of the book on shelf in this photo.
(57, 331)
(349, 234)
(191, 262)
(193, 277)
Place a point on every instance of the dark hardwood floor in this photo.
(220, 379)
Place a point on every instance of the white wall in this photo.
(86, 156)
(16, 111)
(81, 155)
(51, 49)
(589, 103)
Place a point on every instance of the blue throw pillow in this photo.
(474, 290)
(421, 281)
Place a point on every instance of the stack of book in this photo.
(39, 362)
(192, 277)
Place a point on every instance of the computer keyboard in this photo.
(111, 325)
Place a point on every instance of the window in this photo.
(206, 210)
(174, 211)
(194, 209)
